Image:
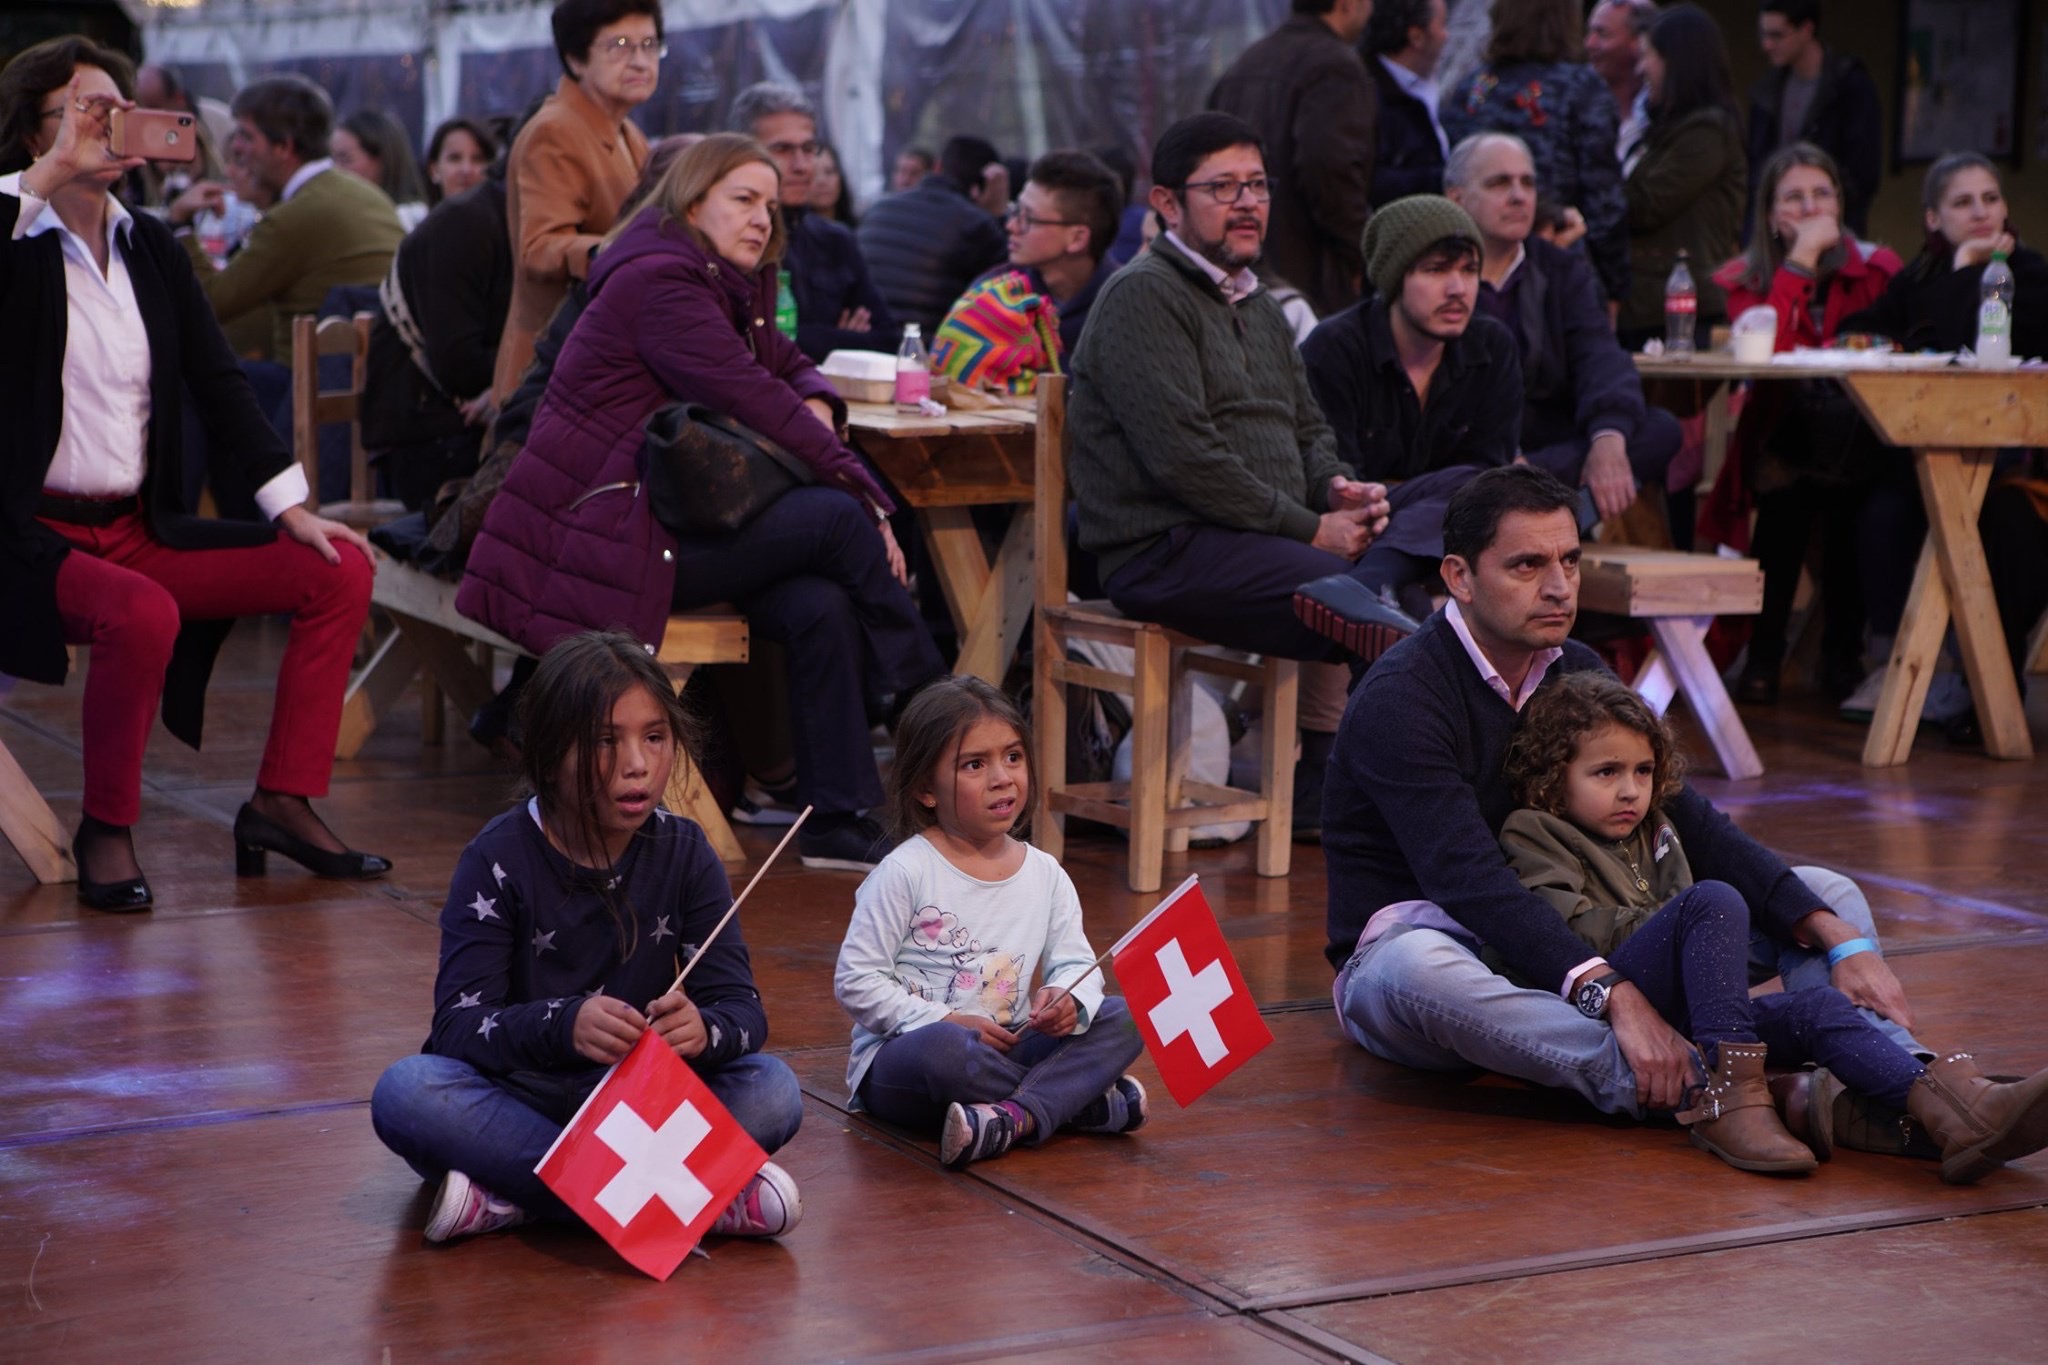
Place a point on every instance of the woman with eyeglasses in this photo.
(575, 160)
(111, 340)
(1803, 453)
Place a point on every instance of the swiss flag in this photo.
(651, 1159)
(1185, 991)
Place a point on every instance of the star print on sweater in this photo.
(527, 935)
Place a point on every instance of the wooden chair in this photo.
(31, 826)
(1159, 804)
(1679, 595)
(314, 407)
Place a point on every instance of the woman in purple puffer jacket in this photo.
(682, 302)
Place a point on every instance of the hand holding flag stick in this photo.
(652, 1158)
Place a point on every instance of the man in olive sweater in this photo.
(1413, 806)
(321, 226)
(1207, 480)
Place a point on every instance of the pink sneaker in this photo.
(464, 1208)
(768, 1206)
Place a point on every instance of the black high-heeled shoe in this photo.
(125, 897)
(257, 837)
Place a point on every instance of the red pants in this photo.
(124, 594)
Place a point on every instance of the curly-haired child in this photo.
(1590, 768)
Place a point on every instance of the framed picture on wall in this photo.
(1960, 79)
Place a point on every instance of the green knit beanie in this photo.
(1403, 230)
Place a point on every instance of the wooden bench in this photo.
(435, 640)
(1679, 595)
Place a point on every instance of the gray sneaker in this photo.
(1948, 697)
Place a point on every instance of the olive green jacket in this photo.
(1604, 890)
(1686, 192)
(335, 230)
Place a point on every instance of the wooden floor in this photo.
(187, 1170)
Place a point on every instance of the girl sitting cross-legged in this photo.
(559, 942)
(947, 936)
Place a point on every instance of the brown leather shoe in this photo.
(1732, 1117)
(1979, 1123)
(1804, 1103)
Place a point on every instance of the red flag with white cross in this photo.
(1196, 1015)
(651, 1159)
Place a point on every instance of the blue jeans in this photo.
(915, 1075)
(1423, 998)
(441, 1114)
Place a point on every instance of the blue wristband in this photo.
(1842, 951)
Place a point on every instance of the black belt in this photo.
(87, 511)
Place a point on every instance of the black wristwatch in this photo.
(1591, 996)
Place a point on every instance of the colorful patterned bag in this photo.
(1002, 334)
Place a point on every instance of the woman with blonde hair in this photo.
(682, 308)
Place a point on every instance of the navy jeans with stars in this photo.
(441, 1114)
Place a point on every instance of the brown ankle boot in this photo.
(1979, 1123)
(1824, 1114)
(1732, 1116)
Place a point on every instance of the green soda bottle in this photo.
(785, 305)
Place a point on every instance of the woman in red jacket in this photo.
(1803, 452)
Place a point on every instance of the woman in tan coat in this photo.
(575, 161)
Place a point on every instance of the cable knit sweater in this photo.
(1188, 409)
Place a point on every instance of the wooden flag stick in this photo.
(1068, 989)
(737, 899)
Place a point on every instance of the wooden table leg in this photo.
(31, 826)
(1951, 572)
(962, 566)
(1953, 485)
(1682, 640)
(989, 641)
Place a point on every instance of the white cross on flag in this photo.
(1183, 987)
(651, 1159)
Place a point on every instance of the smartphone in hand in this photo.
(153, 134)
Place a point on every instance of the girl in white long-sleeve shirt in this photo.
(948, 934)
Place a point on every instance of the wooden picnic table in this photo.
(1954, 421)
(945, 467)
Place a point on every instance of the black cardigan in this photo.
(188, 355)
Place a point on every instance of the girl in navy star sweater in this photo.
(564, 925)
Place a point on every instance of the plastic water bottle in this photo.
(785, 304)
(913, 370)
(1681, 309)
(1994, 314)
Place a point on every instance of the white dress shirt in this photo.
(1236, 286)
(104, 435)
(1421, 88)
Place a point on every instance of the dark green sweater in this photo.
(1187, 409)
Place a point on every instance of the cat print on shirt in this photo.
(950, 966)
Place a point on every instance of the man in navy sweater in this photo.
(1583, 416)
(1412, 807)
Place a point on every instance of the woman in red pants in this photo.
(108, 336)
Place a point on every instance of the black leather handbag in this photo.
(709, 474)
